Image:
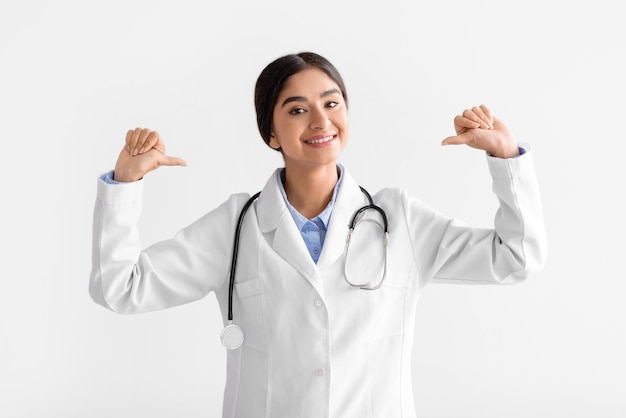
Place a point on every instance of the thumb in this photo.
(455, 140)
(172, 161)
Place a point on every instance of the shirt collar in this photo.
(324, 216)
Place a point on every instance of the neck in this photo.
(310, 190)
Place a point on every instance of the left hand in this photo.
(478, 128)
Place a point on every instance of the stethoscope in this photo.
(232, 335)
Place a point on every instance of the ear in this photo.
(274, 142)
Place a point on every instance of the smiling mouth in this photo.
(320, 140)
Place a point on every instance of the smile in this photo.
(320, 140)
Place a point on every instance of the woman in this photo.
(328, 328)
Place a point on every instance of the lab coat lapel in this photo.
(349, 199)
(276, 222)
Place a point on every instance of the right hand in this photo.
(143, 152)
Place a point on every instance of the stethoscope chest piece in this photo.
(232, 336)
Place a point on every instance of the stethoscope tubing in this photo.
(234, 329)
(233, 262)
(351, 227)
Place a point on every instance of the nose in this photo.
(319, 119)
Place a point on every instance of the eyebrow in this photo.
(303, 99)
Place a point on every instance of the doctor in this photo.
(316, 344)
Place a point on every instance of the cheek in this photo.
(281, 130)
(342, 122)
(286, 127)
(345, 133)
(279, 124)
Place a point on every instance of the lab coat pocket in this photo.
(251, 307)
(389, 311)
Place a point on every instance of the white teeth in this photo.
(320, 141)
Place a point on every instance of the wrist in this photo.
(508, 150)
(124, 177)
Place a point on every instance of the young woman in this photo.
(316, 327)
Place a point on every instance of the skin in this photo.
(143, 152)
(311, 107)
(479, 129)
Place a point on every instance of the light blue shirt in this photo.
(313, 230)
(108, 178)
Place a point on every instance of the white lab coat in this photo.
(314, 346)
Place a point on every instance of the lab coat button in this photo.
(318, 303)
(319, 372)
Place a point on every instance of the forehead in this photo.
(309, 82)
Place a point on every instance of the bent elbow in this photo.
(536, 252)
(532, 260)
(110, 297)
(96, 292)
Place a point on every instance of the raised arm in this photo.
(128, 279)
(516, 245)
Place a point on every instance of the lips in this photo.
(319, 139)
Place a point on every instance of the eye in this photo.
(332, 104)
(297, 111)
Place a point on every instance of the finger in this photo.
(455, 140)
(172, 161)
(487, 112)
(141, 138)
(484, 119)
(129, 136)
(470, 115)
(476, 115)
(465, 122)
(134, 138)
(143, 135)
(148, 144)
(150, 141)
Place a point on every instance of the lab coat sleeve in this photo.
(185, 268)
(449, 251)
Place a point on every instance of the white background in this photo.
(75, 75)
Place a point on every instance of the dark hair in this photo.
(272, 80)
